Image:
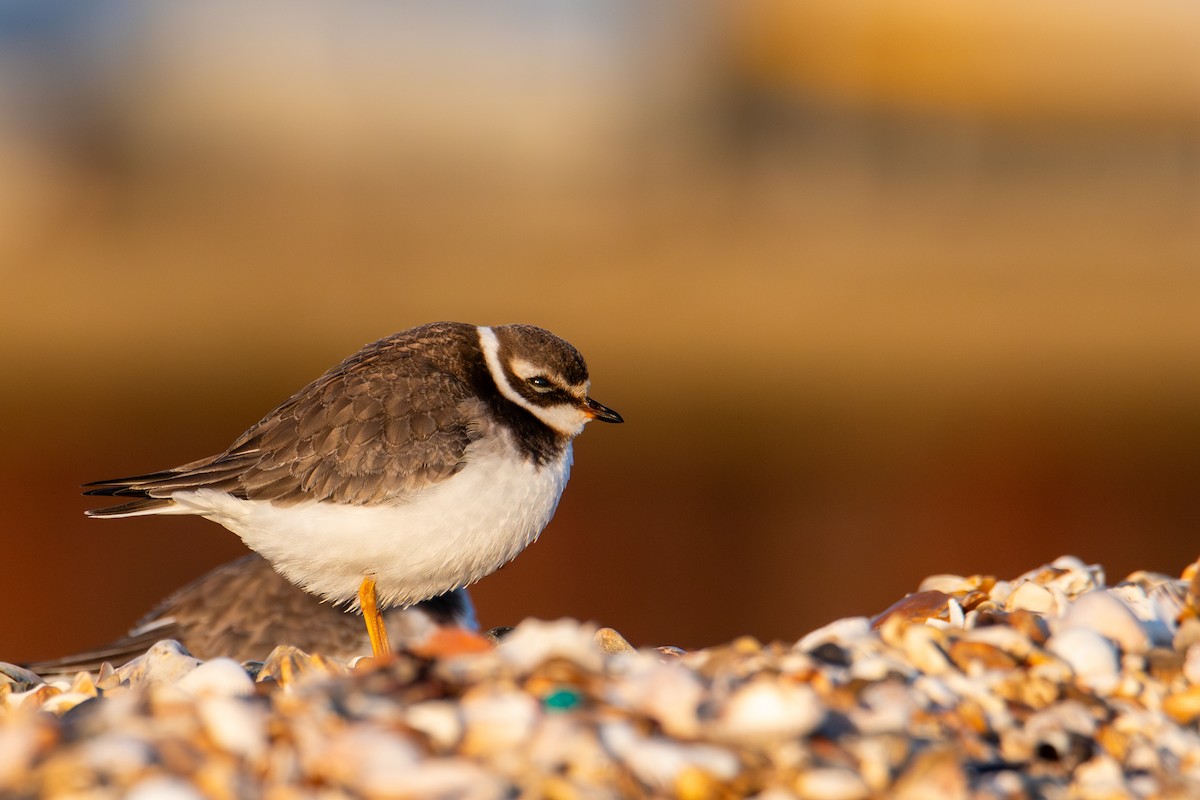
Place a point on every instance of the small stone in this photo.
(1183, 707)
(609, 641)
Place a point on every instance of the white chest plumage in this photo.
(447, 536)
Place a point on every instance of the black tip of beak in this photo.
(602, 413)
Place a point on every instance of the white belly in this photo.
(450, 535)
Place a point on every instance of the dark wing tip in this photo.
(103, 489)
(146, 505)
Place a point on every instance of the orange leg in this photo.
(374, 619)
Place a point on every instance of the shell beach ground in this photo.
(1055, 683)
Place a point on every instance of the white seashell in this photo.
(933, 773)
(1191, 665)
(1000, 591)
(561, 740)
(1168, 601)
(1001, 784)
(667, 692)
(1100, 776)
(446, 777)
(886, 707)
(62, 703)
(220, 676)
(235, 725)
(1004, 638)
(17, 699)
(876, 757)
(873, 667)
(923, 648)
(845, 632)
(1056, 672)
(658, 761)
(161, 787)
(18, 749)
(1108, 615)
(119, 754)
(831, 783)
(766, 708)
(437, 719)
(536, 641)
(497, 719)
(1078, 577)
(1093, 658)
(1030, 596)
(945, 583)
(361, 756)
(1054, 723)
(936, 691)
(995, 708)
(955, 618)
(1158, 611)
(774, 793)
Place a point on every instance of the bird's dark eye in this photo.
(540, 383)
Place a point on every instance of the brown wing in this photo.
(390, 420)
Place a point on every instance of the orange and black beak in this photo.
(602, 413)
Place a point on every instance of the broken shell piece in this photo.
(164, 663)
(286, 665)
(19, 677)
(917, 607)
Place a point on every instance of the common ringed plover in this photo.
(418, 465)
(244, 608)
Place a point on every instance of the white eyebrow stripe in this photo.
(490, 346)
(524, 369)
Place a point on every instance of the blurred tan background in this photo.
(884, 288)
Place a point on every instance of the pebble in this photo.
(1049, 684)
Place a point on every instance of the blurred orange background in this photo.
(884, 288)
